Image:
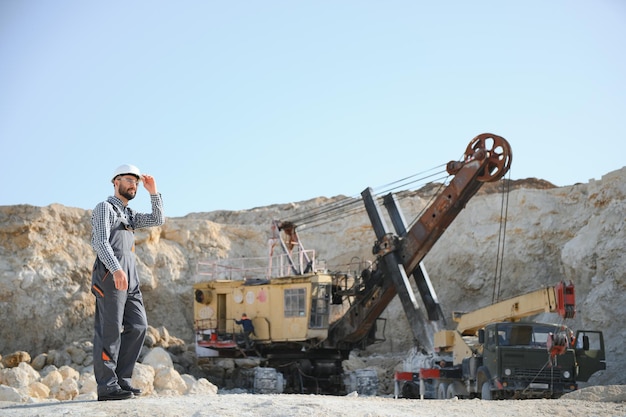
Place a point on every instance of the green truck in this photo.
(495, 354)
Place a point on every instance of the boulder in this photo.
(167, 381)
(143, 378)
(158, 358)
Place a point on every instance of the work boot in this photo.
(119, 394)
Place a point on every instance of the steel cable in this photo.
(349, 206)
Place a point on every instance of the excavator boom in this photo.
(487, 158)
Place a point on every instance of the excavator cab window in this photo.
(295, 302)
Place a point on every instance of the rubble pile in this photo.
(167, 366)
(65, 374)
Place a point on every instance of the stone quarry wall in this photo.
(572, 233)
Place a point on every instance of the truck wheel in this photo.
(485, 391)
(442, 391)
(451, 393)
(410, 390)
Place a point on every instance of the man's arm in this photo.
(156, 218)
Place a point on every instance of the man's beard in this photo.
(128, 194)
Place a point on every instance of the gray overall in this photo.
(120, 318)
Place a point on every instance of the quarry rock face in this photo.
(574, 233)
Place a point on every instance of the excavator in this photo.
(306, 319)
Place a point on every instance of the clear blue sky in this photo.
(233, 105)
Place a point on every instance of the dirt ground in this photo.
(596, 402)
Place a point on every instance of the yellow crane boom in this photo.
(559, 299)
(554, 299)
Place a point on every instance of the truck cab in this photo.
(520, 360)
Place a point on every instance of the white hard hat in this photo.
(126, 169)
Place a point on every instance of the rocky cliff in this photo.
(572, 233)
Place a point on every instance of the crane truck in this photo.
(495, 354)
(306, 319)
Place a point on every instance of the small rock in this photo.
(38, 390)
(202, 387)
(165, 336)
(19, 377)
(88, 360)
(150, 340)
(87, 383)
(11, 394)
(39, 362)
(187, 359)
(69, 372)
(58, 358)
(66, 390)
(53, 379)
(47, 369)
(154, 335)
(77, 354)
(14, 359)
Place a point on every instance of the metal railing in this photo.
(258, 268)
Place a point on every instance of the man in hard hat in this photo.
(120, 318)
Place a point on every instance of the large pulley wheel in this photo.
(497, 151)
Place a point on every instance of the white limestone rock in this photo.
(38, 390)
(143, 378)
(168, 381)
(158, 358)
(21, 376)
(11, 394)
(200, 386)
